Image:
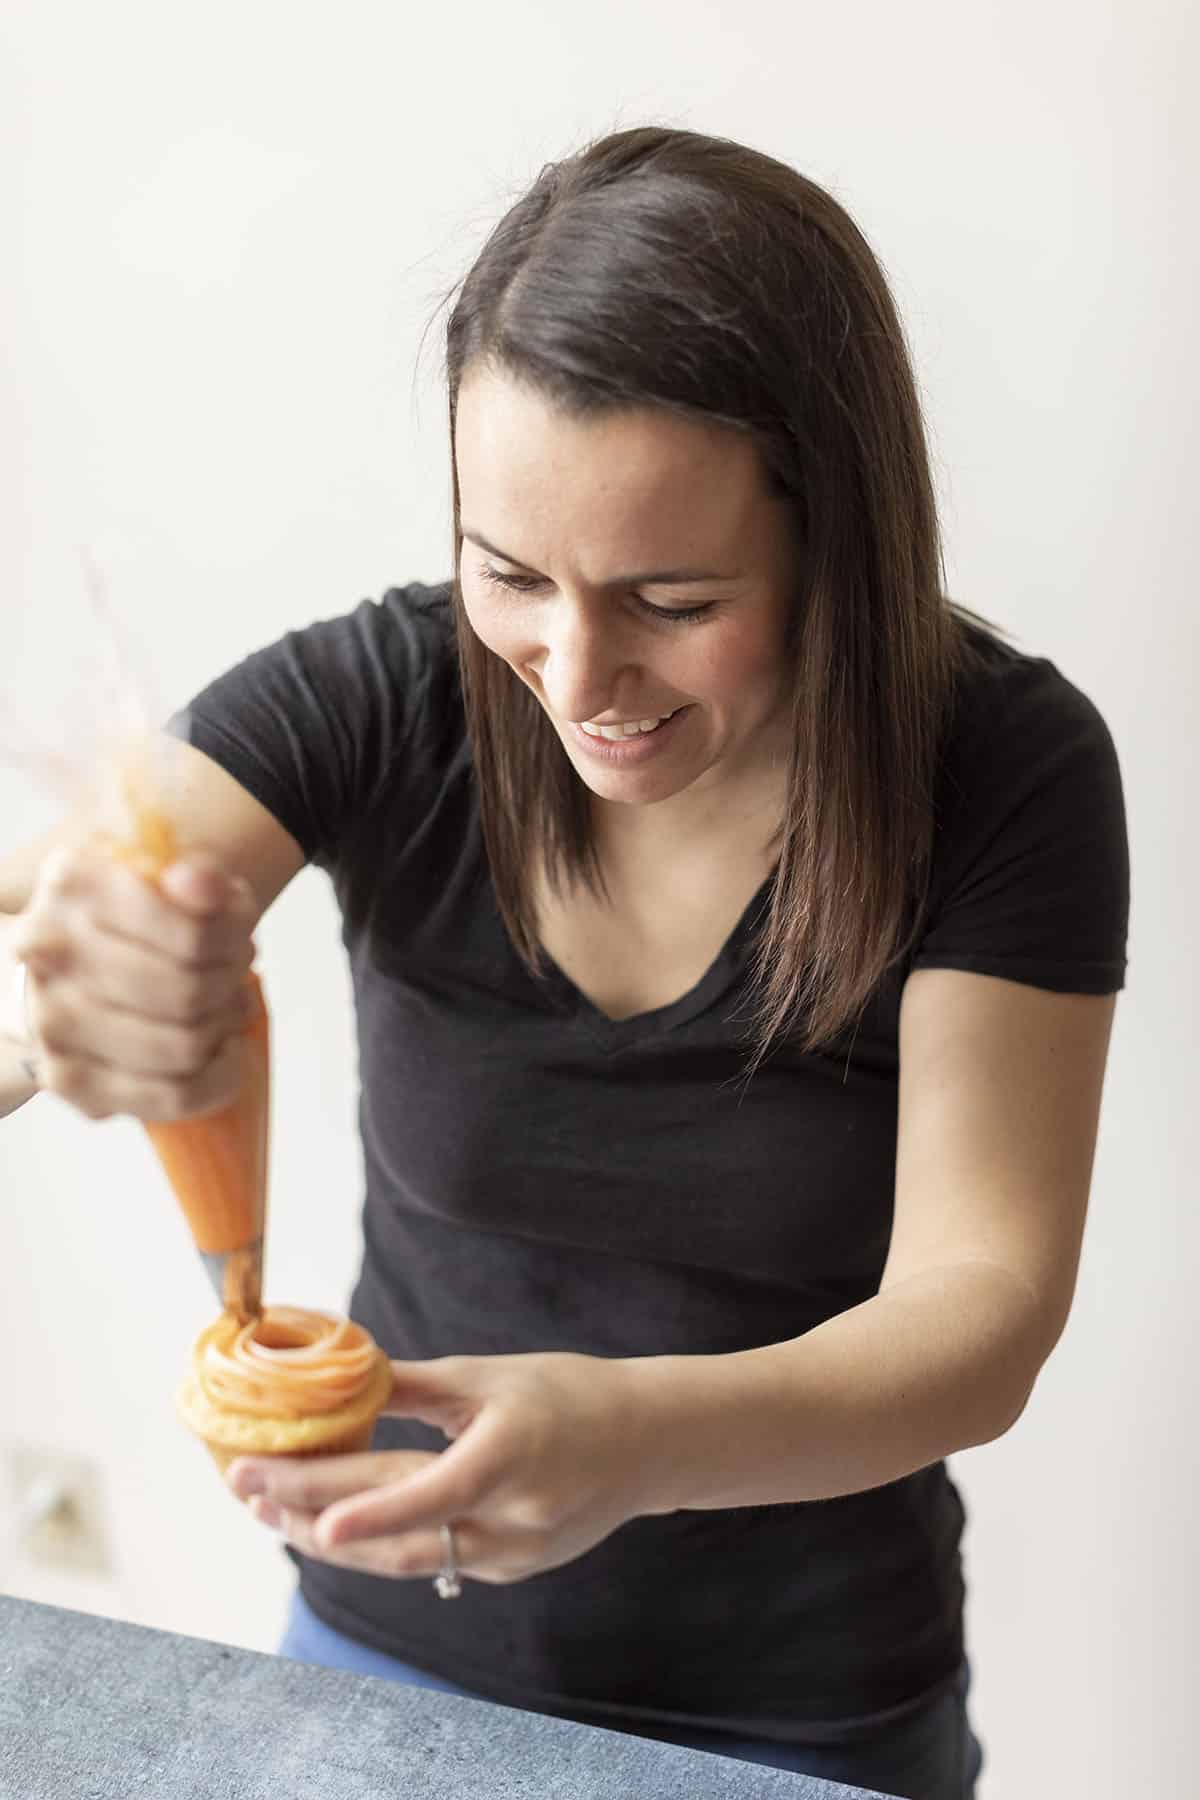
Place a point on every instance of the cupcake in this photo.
(288, 1383)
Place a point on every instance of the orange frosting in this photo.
(287, 1364)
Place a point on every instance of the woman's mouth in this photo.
(626, 728)
(627, 740)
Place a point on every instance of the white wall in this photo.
(222, 228)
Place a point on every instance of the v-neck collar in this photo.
(616, 1034)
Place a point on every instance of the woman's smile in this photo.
(620, 746)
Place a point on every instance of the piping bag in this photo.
(217, 1163)
(108, 764)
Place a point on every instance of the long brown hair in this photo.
(663, 268)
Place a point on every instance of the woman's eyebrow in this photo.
(643, 578)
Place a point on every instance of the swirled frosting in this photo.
(287, 1363)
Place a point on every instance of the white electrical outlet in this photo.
(53, 1505)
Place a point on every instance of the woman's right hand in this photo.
(136, 989)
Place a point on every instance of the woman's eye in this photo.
(518, 584)
(525, 584)
(677, 615)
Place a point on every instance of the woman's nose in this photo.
(582, 661)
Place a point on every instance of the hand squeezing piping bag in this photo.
(216, 1164)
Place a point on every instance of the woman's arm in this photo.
(999, 1100)
(1000, 1088)
(18, 1083)
(18, 877)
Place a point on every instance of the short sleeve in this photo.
(315, 724)
(1030, 873)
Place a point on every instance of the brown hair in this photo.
(662, 268)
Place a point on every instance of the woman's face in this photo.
(635, 572)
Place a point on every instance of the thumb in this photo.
(445, 1487)
(200, 885)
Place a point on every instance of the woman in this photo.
(735, 927)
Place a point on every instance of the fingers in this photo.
(478, 1553)
(381, 1492)
(195, 914)
(309, 1484)
(114, 970)
(137, 992)
(458, 1481)
(104, 1060)
(70, 1018)
(299, 1497)
(99, 1090)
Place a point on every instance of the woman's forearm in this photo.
(17, 1083)
(940, 1362)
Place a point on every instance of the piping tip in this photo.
(236, 1278)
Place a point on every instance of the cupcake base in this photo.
(225, 1454)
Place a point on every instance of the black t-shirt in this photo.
(540, 1177)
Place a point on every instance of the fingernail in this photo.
(267, 1512)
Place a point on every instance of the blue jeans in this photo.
(932, 1755)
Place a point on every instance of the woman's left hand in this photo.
(549, 1454)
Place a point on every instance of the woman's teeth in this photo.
(629, 728)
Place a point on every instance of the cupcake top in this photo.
(289, 1363)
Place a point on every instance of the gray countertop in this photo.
(92, 1709)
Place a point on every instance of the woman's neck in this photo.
(740, 818)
